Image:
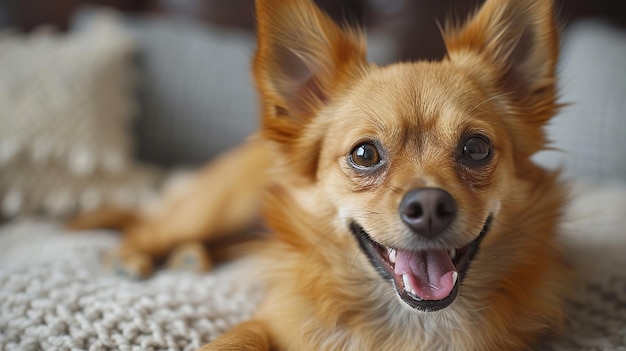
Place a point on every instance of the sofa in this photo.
(173, 93)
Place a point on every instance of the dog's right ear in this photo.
(302, 58)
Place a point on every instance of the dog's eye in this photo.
(476, 150)
(365, 155)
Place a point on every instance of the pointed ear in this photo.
(302, 58)
(520, 39)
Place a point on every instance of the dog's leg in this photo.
(190, 256)
(217, 200)
(248, 336)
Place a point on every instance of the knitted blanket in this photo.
(55, 296)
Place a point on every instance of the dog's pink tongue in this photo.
(430, 273)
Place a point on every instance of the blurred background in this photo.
(99, 99)
(401, 19)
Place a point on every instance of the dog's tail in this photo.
(104, 218)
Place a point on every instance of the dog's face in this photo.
(416, 167)
(413, 160)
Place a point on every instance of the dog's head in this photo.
(415, 159)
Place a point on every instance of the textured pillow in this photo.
(66, 103)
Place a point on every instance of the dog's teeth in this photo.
(452, 253)
(392, 255)
(455, 276)
(407, 283)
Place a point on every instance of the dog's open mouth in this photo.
(427, 280)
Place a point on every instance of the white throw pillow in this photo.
(66, 104)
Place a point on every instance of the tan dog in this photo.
(405, 211)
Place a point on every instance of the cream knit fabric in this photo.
(55, 296)
(66, 104)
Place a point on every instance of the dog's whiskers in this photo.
(491, 98)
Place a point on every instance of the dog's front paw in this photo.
(191, 256)
(130, 265)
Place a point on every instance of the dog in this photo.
(404, 209)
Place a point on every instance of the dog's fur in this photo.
(320, 101)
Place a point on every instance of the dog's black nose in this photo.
(428, 212)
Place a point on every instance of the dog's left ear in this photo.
(519, 38)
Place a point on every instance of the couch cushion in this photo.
(197, 97)
(589, 133)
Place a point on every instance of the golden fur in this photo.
(320, 99)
